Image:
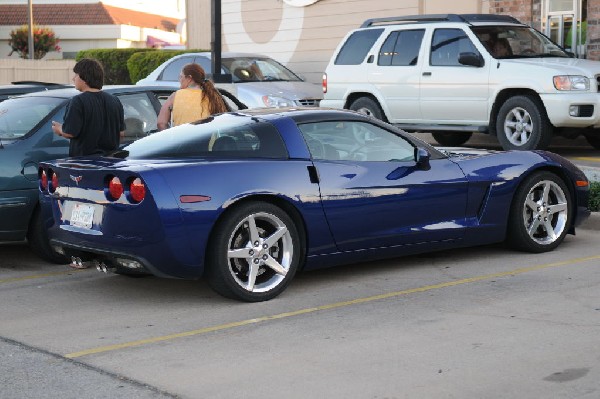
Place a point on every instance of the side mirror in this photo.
(422, 157)
(471, 59)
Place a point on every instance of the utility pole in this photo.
(31, 46)
(215, 44)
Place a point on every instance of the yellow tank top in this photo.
(189, 105)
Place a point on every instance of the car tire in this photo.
(593, 140)
(253, 253)
(522, 124)
(367, 106)
(39, 243)
(451, 139)
(540, 213)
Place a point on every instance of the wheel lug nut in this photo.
(264, 257)
(256, 261)
(265, 246)
(256, 243)
(251, 252)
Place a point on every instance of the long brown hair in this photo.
(215, 101)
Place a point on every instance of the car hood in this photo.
(563, 66)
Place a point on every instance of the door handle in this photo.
(426, 73)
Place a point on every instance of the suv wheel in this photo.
(367, 106)
(451, 139)
(522, 124)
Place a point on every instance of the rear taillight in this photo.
(53, 182)
(43, 179)
(324, 83)
(115, 188)
(137, 190)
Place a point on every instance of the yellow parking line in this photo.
(11, 280)
(590, 159)
(322, 307)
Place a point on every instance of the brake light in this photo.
(115, 188)
(324, 83)
(54, 182)
(43, 180)
(137, 190)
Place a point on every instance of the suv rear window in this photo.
(354, 51)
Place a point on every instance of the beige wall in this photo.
(303, 38)
(57, 71)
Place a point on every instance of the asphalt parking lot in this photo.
(472, 323)
(484, 322)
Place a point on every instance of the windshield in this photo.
(251, 69)
(18, 116)
(229, 135)
(517, 42)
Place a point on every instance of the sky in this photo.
(169, 8)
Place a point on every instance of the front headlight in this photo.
(568, 82)
(277, 102)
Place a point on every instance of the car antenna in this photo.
(1, 145)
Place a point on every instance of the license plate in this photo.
(82, 216)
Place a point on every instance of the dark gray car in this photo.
(26, 138)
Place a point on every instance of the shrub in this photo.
(595, 196)
(141, 64)
(114, 62)
(44, 41)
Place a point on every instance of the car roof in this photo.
(225, 54)
(470, 19)
(71, 92)
(304, 114)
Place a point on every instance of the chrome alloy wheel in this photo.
(260, 252)
(545, 212)
(518, 126)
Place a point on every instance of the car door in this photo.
(452, 93)
(373, 192)
(395, 74)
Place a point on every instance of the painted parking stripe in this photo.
(36, 276)
(590, 159)
(330, 306)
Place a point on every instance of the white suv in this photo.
(453, 75)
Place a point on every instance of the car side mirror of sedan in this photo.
(422, 158)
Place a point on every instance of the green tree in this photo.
(44, 41)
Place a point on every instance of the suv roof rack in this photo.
(466, 18)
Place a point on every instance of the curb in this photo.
(591, 223)
(593, 174)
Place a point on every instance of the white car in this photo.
(257, 80)
(453, 75)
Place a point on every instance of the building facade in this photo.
(303, 34)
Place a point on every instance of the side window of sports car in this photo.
(355, 141)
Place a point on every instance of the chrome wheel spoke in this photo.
(239, 253)
(533, 227)
(273, 238)
(252, 273)
(558, 208)
(254, 237)
(550, 230)
(277, 268)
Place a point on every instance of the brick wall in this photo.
(526, 11)
(593, 30)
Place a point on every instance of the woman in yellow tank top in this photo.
(197, 99)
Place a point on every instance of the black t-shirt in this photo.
(95, 119)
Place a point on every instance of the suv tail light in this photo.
(324, 83)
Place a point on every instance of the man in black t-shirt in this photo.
(94, 120)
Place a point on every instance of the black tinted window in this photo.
(222, 136)
(171, 72)
(446, 46)
(358, 44)
(401, 48)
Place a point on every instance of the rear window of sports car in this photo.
(231, 136)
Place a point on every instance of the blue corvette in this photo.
(247, 199)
